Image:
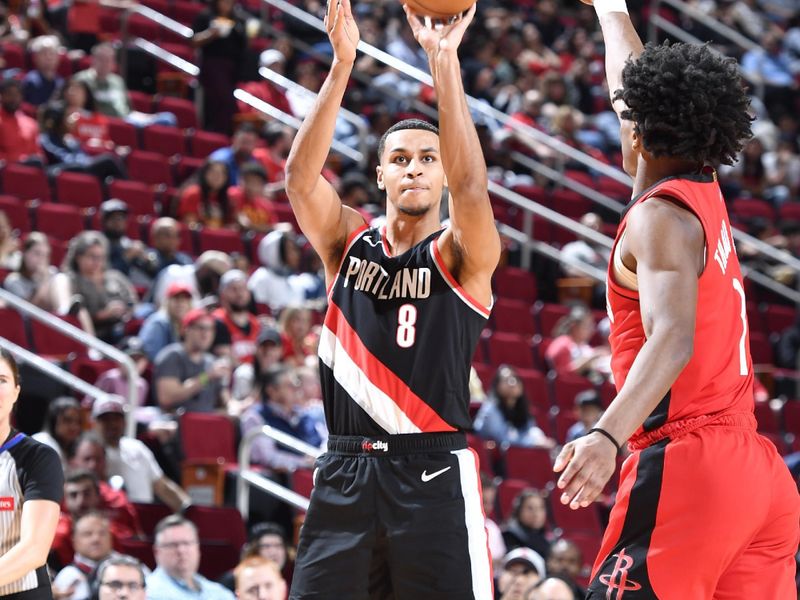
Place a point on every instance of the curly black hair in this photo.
(686, 102)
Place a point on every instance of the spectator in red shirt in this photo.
(273, 156)
(253, 209)
(236, 327)
(204, 200)
(298, 339)
(264, 89)
(87, 125)
(570, 352)
(19, 134)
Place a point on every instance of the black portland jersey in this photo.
(29, 470)
(397, 343)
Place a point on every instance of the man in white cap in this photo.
(237, 327)
(522, 569)
(264, 89)
(130, 459)
(202, 277)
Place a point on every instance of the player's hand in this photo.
(587, 465)
(342, 30)
(435, 35)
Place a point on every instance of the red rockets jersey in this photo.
(719, 377)
(397, 343)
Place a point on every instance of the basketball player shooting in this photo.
(706, 507)
(396, 509)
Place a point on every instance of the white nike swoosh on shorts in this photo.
(426, 478)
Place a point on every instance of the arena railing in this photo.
(34, 312)
(349, 116)
(737, 39)
(295, 123)
(247, 477)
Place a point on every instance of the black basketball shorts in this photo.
(395, 518)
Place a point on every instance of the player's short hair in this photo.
(686, 102)
(402, 125)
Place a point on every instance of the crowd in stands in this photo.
(190, 261)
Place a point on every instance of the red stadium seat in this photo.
(78, 189)
(507, 490)
(163, 140)
(535, 386)
(208, 436)
(225, 240)
(184, 111)
(510, 349)
(584, 520)
(13, 327)
(139, 197)
(217, 558)
(515, 284)
(766, 418)
(566, 387)
(761, 349)
(779, 318)
(185, 11)
(530, 464)
(186, 167)
(564, 420)
(47, 341)
(513, 316)
(204, 143)
(140, 549)
(747, 209)
(484, 451)
(548, 316)
(61, 221)
(123, 133)
(570, 204)
(17, 213)
(218, 523)
(149, 167)
(789, 211)
(141, 101)
(150, 515)
(90, 370)
(27, 183)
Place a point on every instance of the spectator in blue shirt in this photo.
(239, 152)
(177, 554)
(162, 328)
(39, 85)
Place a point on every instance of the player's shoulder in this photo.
(661, 212)
(29, 453)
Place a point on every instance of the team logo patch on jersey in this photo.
(6, 503)
(617, 582)
(374, 446)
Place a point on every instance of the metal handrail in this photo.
(347, 115)
(690, 11)
(248, 477)
(45, 366)
(69, 330)
(163, 21)
(294, 123)
(473, 103)
(168, 57)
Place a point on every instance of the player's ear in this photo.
(379, 177)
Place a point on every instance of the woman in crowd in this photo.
(528, 523)
(9, 244)
(33, 281)
(62, 428)
(64, 151)
(204, 199)
(87, 125)
(505, 416)
(570, 351)
(107, 295)
(296, 335)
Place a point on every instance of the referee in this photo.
(31, 487)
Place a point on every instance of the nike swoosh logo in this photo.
(426, 477)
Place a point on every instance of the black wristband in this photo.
(607, 435)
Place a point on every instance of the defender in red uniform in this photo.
(706, 508)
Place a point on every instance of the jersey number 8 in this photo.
(406, 321)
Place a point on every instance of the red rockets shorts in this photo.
(709, 514)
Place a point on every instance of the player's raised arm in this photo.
(472, 243)
(622, 42)
(316, 204)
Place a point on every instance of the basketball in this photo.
(438, 9)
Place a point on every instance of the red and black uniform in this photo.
(706, 507)
(241, 339)
(396, 509)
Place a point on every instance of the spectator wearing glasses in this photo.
(177, 554)
(120, 577)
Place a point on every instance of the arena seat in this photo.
(779, 317)
(207, 436)
(515, 284)
(218, 523)
(17, 213)
(26, 183)
(78, 189)
(583, 520)
(565, 387)
(535, 386)
(483, 449)
(150, 515)
(564, 420)
(89, 369)
(530, 464)
(150, 167)
(140, 198)
(766, 418)
(163, 140)
(50, 343)
(203, 143)
(507, 490)
(225, 240)
(760, 349)
(510, 349)
(61, 221)
(13, 327)
(548, 315)
(123, 133)
(184, 110)
(513, 316)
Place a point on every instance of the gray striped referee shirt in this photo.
(29, 470)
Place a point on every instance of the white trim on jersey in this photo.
(477, 538)
(483, 311)
(357, 233)
(379, 406)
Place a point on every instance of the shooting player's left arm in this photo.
(471, 245)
